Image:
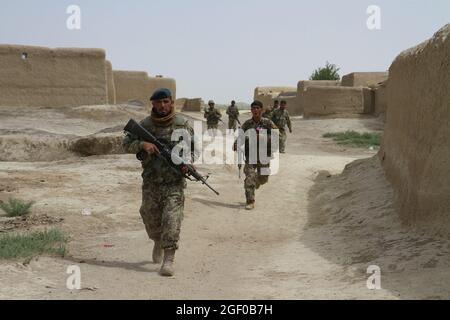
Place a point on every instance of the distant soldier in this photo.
(269, 110)
(212, 116)
(233, 115)
(281, 119)
(253, 176)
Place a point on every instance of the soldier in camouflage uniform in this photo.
(212, 116)
(281, 119)
(267, 113)
(162, 188)
(253, 176)
(233, 115)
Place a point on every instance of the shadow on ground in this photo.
(211, 203)
(143, 266)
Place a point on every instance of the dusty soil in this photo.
(312, 235)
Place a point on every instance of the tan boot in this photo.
(157, 252)
(167, 269)
(250, 206)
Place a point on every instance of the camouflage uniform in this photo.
(253, 178)
(162, 188)
(266, 114)
(281, 118)
(233, 116)
(212, 116)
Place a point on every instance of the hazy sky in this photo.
(223, 49)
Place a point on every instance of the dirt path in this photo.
(226, 252)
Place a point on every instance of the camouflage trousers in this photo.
(283, 138)
(212, 129)
(232, 123)
(253, 180)
(162, 212)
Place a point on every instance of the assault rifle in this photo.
(166, 154)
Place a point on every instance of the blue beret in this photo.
(162, 93)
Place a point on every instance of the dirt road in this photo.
(226, 252)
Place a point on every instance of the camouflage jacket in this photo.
(212, 116)
(267, 113)
(264, 123)
(281, 118)
(155, 169)
(233, 112)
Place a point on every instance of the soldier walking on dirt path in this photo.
(162, 188)
(233, 116)
(212, 116)
(269, 110)
(254, 177)
(281, 119)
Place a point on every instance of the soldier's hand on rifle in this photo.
(185, 169)
(150, 148)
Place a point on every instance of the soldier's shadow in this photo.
(144, 266)
(211, 203)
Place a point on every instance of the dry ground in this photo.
(312, 235)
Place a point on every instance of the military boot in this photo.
(167, 269)
(157, 252)
(250, 206)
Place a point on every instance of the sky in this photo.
(222, 50)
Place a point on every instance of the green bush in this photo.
(15, 207)
(329, 72)
(355, 139)
(29, 245)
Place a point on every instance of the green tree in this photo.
(329, 72)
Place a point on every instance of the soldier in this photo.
(212, 116)
(162, 188)
(233, 115)
(269, 110)
(253, 176)
(281, 118)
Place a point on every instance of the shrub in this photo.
(329, 72)
(15, 207)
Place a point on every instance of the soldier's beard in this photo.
(163, 119)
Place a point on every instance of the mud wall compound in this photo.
(364, 79)
(299, 106)
(137, 86)
(110, 83)
(415, 151)
(336, 101)
(380, 99)
(131, 86)
(267, 95)
(39, 76)
(196, 104)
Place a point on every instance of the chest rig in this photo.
(162, 133)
